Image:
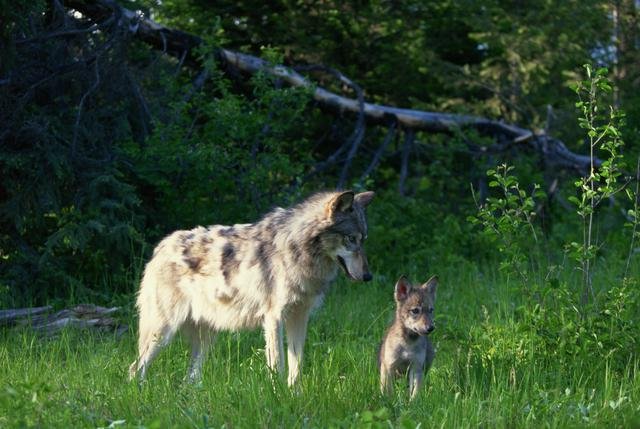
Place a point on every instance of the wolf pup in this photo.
(405, 345)
(270, 274)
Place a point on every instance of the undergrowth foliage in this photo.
(223, 155)
(508, 220)
(87, 190)
(67, 210)
(554, 320)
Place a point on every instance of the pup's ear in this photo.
(403, 287)
(431, 285)
(364, 198)
(340, 203)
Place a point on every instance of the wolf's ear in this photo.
(403, 287)
(364, 198)
(431, 285)
(340, 203)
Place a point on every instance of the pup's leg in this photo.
(429, 356)
(296, 323)
(273, 342)
(386, 378)
(415, 379)
(418, 370)
(201, 337)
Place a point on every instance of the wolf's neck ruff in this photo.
(295, 235)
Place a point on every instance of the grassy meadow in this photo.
(538, 308)
(492, 369)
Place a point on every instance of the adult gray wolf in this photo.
(270, 273)
(405, 345)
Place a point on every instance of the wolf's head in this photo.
(415, 305)
(347, 231)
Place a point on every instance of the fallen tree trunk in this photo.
(43, 321)
(181, 45)
(9, 317)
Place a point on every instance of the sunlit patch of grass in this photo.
(79, 379)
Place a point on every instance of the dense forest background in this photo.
(107, 143)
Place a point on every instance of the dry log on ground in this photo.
(44, 321)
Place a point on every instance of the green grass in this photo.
(489, 371)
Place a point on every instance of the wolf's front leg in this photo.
(296, 322)
(274, 345)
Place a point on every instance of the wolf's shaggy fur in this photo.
(405, 346)
(270, 273)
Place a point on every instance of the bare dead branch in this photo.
(359, 130)
(330, 161)
(198, 83)
(409, 137)
(76, 127)
(65, 33)
(145, 113)
(391, 133)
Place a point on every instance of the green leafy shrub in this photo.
(507, 220)
(408, 235)
(223, 157)
(602, 182)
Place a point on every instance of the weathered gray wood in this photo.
(41, 319)
(10, 316)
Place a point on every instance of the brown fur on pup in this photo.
(405, 346)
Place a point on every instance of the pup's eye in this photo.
(415, 311)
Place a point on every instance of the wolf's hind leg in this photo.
(150, 343)
(200, 337)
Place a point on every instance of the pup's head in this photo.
(415, 305)
(347, 232)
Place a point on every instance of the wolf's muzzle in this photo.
(343, 264)
(367, 277)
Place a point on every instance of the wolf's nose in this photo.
(430, 329)
(367, 277)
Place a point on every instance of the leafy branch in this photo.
(601, 183)
(508, 220)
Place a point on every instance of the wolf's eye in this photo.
(352, 239)
(431, 310)
(415, 311)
